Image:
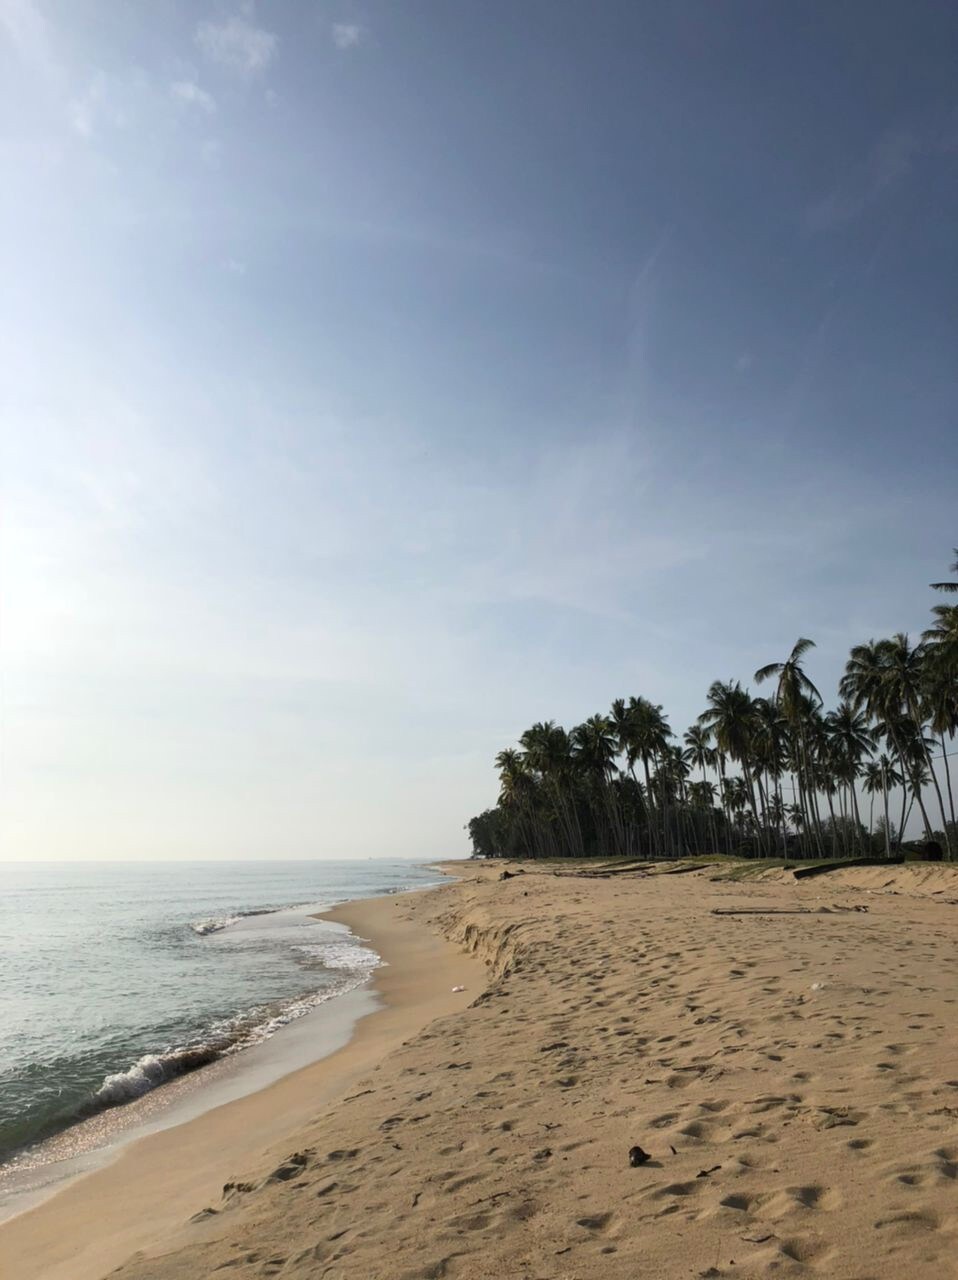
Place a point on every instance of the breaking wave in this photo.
(213, 924)
(149, 1071)
(352, 964)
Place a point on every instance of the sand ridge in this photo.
(794, 1078)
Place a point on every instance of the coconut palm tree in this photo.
(866, 686)
(730, 721)
(737, 799)
(941, 639)
(578, 793)
(648, 734)
(701, 755)
(850, 740)
(594, 747)
(769, 743)
(941, 684)
(880, 776)
(516, 796)
(794, 692)
(670, 779)
(548, 751)
(636, 799)
(905, 676)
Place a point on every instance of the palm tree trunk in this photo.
(810, 789)
(884, 789)
(652, 807)
(908, 774)
(934, 780)
(751, 801)
(858, 816)
(906, 778)
(951, 798)
(911, 805)
(806, 807)
(724, 799)
(831, 810)
(846, 818)
(709, 824)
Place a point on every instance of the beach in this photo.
(784, 1052)
(156, 1183)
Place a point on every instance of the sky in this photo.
(379, 378)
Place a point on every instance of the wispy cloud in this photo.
(237, 43)
(347, 35)
(112, 102)
(888, 162)
(191, 95)
(84, 111)
(30, 34)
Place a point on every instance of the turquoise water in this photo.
(116, 977)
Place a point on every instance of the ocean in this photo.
(118, 977)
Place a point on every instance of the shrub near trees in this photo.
(762, 776)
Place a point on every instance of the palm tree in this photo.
(736, 797)
(548, 751)
(768, 745)
(880, 775)
(730, 720)
(850, 740)
(865, 684)
(941, 683)
(905, 674)
(647, 734)
(515, 795)
(594, 747)
(623, 725)
(793, 693)
(942, 638)
(578, 793)
(702, 756)
(670, 778)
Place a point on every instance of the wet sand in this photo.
(785, 1052)
(157, 1182)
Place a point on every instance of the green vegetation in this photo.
(770, 777)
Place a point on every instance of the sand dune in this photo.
(794, 1078)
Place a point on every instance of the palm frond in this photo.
(802, 646)
(766, 673)
(807, 685)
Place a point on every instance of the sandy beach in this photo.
(785, 1052)
(157, 1183)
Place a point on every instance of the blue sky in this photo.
(378, 378)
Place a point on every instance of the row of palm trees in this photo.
(763, 775)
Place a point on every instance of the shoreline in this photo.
(155, 1183)
(782, 1051)
(785, 1052)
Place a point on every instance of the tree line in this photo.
(774, 775)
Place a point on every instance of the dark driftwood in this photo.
(785, 911)
(681, 871)
(802, 873)
(763, 911)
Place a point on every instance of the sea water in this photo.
(116, 978)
